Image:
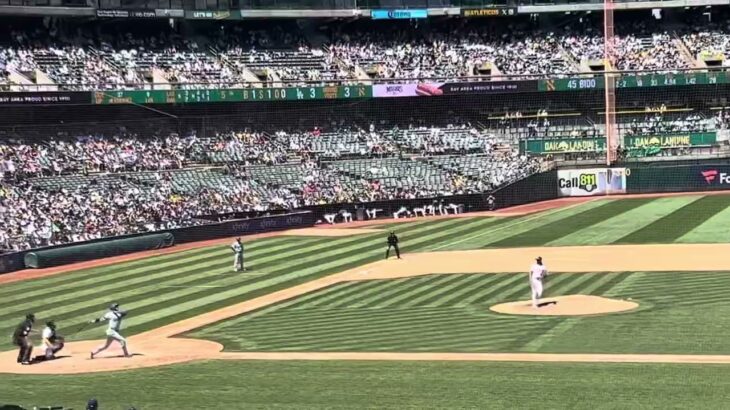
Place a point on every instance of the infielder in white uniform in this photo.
(114, 316)
(538, 272)
(237, 248)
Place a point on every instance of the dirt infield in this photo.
(158, 347)
(570, 305)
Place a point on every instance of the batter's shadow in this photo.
(118, 356)
(41, 359)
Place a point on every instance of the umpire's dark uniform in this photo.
(22, 340)
(392, 243)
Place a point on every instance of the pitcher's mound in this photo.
(571, 305)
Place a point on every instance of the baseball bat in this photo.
(82, 327)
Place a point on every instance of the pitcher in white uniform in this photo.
(538, 272)
(114, 316)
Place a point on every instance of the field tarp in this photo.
(44, 258)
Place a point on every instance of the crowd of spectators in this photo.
(657, 123)
(237, 54)
(66, 154)
(115, 197)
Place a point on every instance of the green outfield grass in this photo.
(165, 289)
(680, 313)
(393, 385)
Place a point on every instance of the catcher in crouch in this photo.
(52, 341)
(114, 316)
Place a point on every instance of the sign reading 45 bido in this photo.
(595, 181)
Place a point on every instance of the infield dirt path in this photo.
(158, 347)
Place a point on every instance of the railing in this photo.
(592, 80)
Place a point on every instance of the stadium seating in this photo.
(249, 54)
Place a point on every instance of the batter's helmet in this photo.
(114, 306)
(30, 317)
(539, 259)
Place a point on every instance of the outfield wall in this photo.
(645, 177)
(679, 178)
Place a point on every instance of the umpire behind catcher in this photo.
(392, 243)
(21, 338)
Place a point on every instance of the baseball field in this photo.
(319, 319)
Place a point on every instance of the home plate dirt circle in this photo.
(570, 305)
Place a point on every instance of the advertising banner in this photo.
(121, 13)
(213, 14)
(45, 98)
(636, 81)
(437, 89)
(670, 140)
(590, 182)
(490, 12)
(231, 95)
(562, 145)
(244, 227)
(403, 14)
(679, 178)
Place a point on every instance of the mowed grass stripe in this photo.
(447, 286)
(404, 329)
(414, 283)
(271, 309)
(305, 328)
(516, 226)
(202, 292)
(553, 231)
(318, 297)
(469, 282)
(603, 280)
(377, 288)
(616, 279)
(144, 282)
(119, 270)
(425, 287)
(353, 326)
(618, 226)
(352, 291)
(167, 301)
(321, 242)
(714, 229)
(149, 269)
(508, 284)
(147, 280)
(679, 222)
(327, 264)
(364, 332)
(133, 298)
(370, 291)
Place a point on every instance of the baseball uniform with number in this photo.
(538, 272)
